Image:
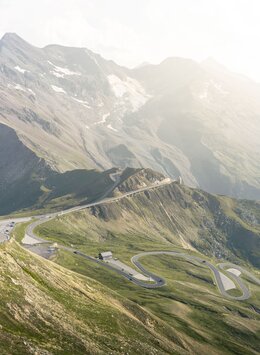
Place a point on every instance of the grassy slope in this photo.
(45, 308)
(190, 303)
(170, 216)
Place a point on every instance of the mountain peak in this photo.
(12, 39)
(11, 36)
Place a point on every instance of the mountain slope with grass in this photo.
(47, 309)
(168, 216)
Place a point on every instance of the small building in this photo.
(106, 255)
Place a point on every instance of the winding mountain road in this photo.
(219, 281)
(156, 281)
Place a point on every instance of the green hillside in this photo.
(46, 309)
(166, 217)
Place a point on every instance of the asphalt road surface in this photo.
(6, 227)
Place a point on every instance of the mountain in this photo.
(68, 108)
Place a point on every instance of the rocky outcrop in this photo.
(134, 179)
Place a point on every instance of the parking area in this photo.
(227, 282)
(123, 267)
(5, 230)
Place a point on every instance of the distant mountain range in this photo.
(68, 108)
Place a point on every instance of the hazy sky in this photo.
(133, 31)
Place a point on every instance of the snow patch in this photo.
(112, 128)
(21, 88)
(219, 87)
(21, 70)
(58, 89)
(204, 94)
(60, 72)
(84, 103)
(32, 92)
(128, 90)
(57, 74)
(104, 118)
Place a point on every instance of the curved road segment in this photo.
(238, 281)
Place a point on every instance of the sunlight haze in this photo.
(131, 32)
